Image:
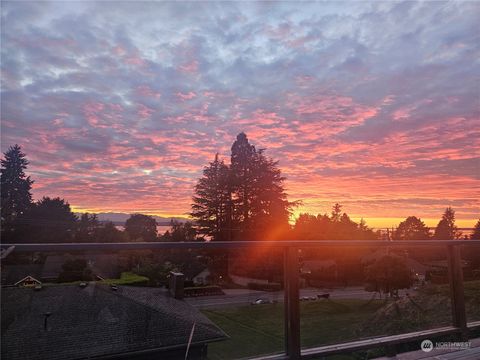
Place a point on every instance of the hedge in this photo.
(203, 291)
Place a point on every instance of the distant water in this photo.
(161, 229)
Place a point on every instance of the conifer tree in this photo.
(16, 198)
(211, 202)
(446, 229)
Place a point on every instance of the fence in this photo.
(291, 284)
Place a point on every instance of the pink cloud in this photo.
(186, 96)
(147, 91)
(189, 68)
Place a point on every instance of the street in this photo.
(238, 297)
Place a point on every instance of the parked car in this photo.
(261, 301)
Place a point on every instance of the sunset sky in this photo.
(119, 105)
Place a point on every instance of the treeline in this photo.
(51, 220)
(243, 200)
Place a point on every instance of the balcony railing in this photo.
(293, 349)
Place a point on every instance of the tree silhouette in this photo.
(87, 228)
(260, 206)
(337, 227)
(336, 212)
(180, 232)
(245, 200)
(49, 220)
(243, 175)
(388, 274)
(476, 231)
(211, 206)
(107, 232)
(16, 198)
(446, 229)
(141, 227)
(412, 228)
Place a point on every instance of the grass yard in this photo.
(127, 278)
(256, 330)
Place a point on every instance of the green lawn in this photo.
(258, 329)
(127, 278)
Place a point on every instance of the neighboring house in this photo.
(318, 273)
(193, 271)
(71, 322)
(202, 278)
(313, 266)
(104, 266)
(442, 265)
(11, 274)
(418, 269)
(28, 281)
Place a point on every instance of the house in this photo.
(96, 321)
(12, 274)
(28, 281)
(202, 278)
(318, 273)
(195, 272)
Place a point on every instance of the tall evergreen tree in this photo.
(244, 201)
(336, 212)
(16, 198)
(446, 229)
(261, 209)
(242, 178)
(211, 203)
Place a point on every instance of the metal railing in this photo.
(291, 284)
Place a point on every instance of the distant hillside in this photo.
(120, 218)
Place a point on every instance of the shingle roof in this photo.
(96, 321)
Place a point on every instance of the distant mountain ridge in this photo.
(120, 218)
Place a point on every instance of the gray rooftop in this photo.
(96, 321)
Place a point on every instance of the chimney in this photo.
(176, 284)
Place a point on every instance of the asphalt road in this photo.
(237, 297)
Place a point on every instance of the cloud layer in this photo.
(119, 105)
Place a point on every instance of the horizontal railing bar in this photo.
(371, 343)
(377, 342)
(231, 244)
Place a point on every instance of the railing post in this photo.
(455, 277)
(292, 303)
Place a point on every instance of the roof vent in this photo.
(47, 314)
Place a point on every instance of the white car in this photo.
(260, 301)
